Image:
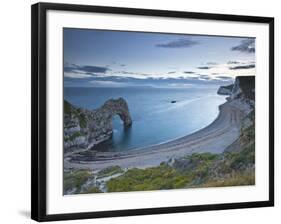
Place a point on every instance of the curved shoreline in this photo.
(215, 137)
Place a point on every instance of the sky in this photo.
(103, 58)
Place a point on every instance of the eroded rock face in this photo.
(241, 93)
(225, 90)
(86, 128)
(242, 97)
(243, 87)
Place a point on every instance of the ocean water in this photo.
(155, 118)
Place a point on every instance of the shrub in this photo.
(75, 179)
(156, 178)
(238, 179)
(109, 171)
(93, 190)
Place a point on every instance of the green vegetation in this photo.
(156, 178)
(196, 170)
(82, 120)
(73, 136)
(71, 111)
(238, 160)
(235, 180)
(73, 180)
(109, 171)
(201, 166)
(164, 176)
(203, 157)
(93, 190)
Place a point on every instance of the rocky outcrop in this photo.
(243, 87)
(241, 94)
(242, 97)
(225, 90)
(85, 128)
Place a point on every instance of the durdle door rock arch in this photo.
(115, 107)
(84, 128)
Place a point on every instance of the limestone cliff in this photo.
(242, 96)
(85, 128)
(225, 90)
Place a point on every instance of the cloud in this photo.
(233, 62)
(188, 72)
(93, 69)
(242, 67)
(100, 83)
(212, 63)
(247, 46)
(180, 85)
(224, 77)
(180, 43)
(88, 69)
(133, 74)
(204, 77)
(76, 75)
(204, 67)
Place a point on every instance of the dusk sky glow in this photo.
(119, 58)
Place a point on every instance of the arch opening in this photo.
(121, 133)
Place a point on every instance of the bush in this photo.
(93, 190)
(238, 179)
(109, 171)
(244, 157)
(156, 178)
(75, 179)
(73, 136)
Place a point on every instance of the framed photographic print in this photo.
(138, 111)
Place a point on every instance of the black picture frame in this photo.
(39, 122)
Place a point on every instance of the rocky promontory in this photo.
(85, 128)
(241, 94)
(225, 90)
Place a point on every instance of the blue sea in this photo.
(155, 118)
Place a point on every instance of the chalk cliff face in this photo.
(242, 96)
(86, 128)
(225, 90)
